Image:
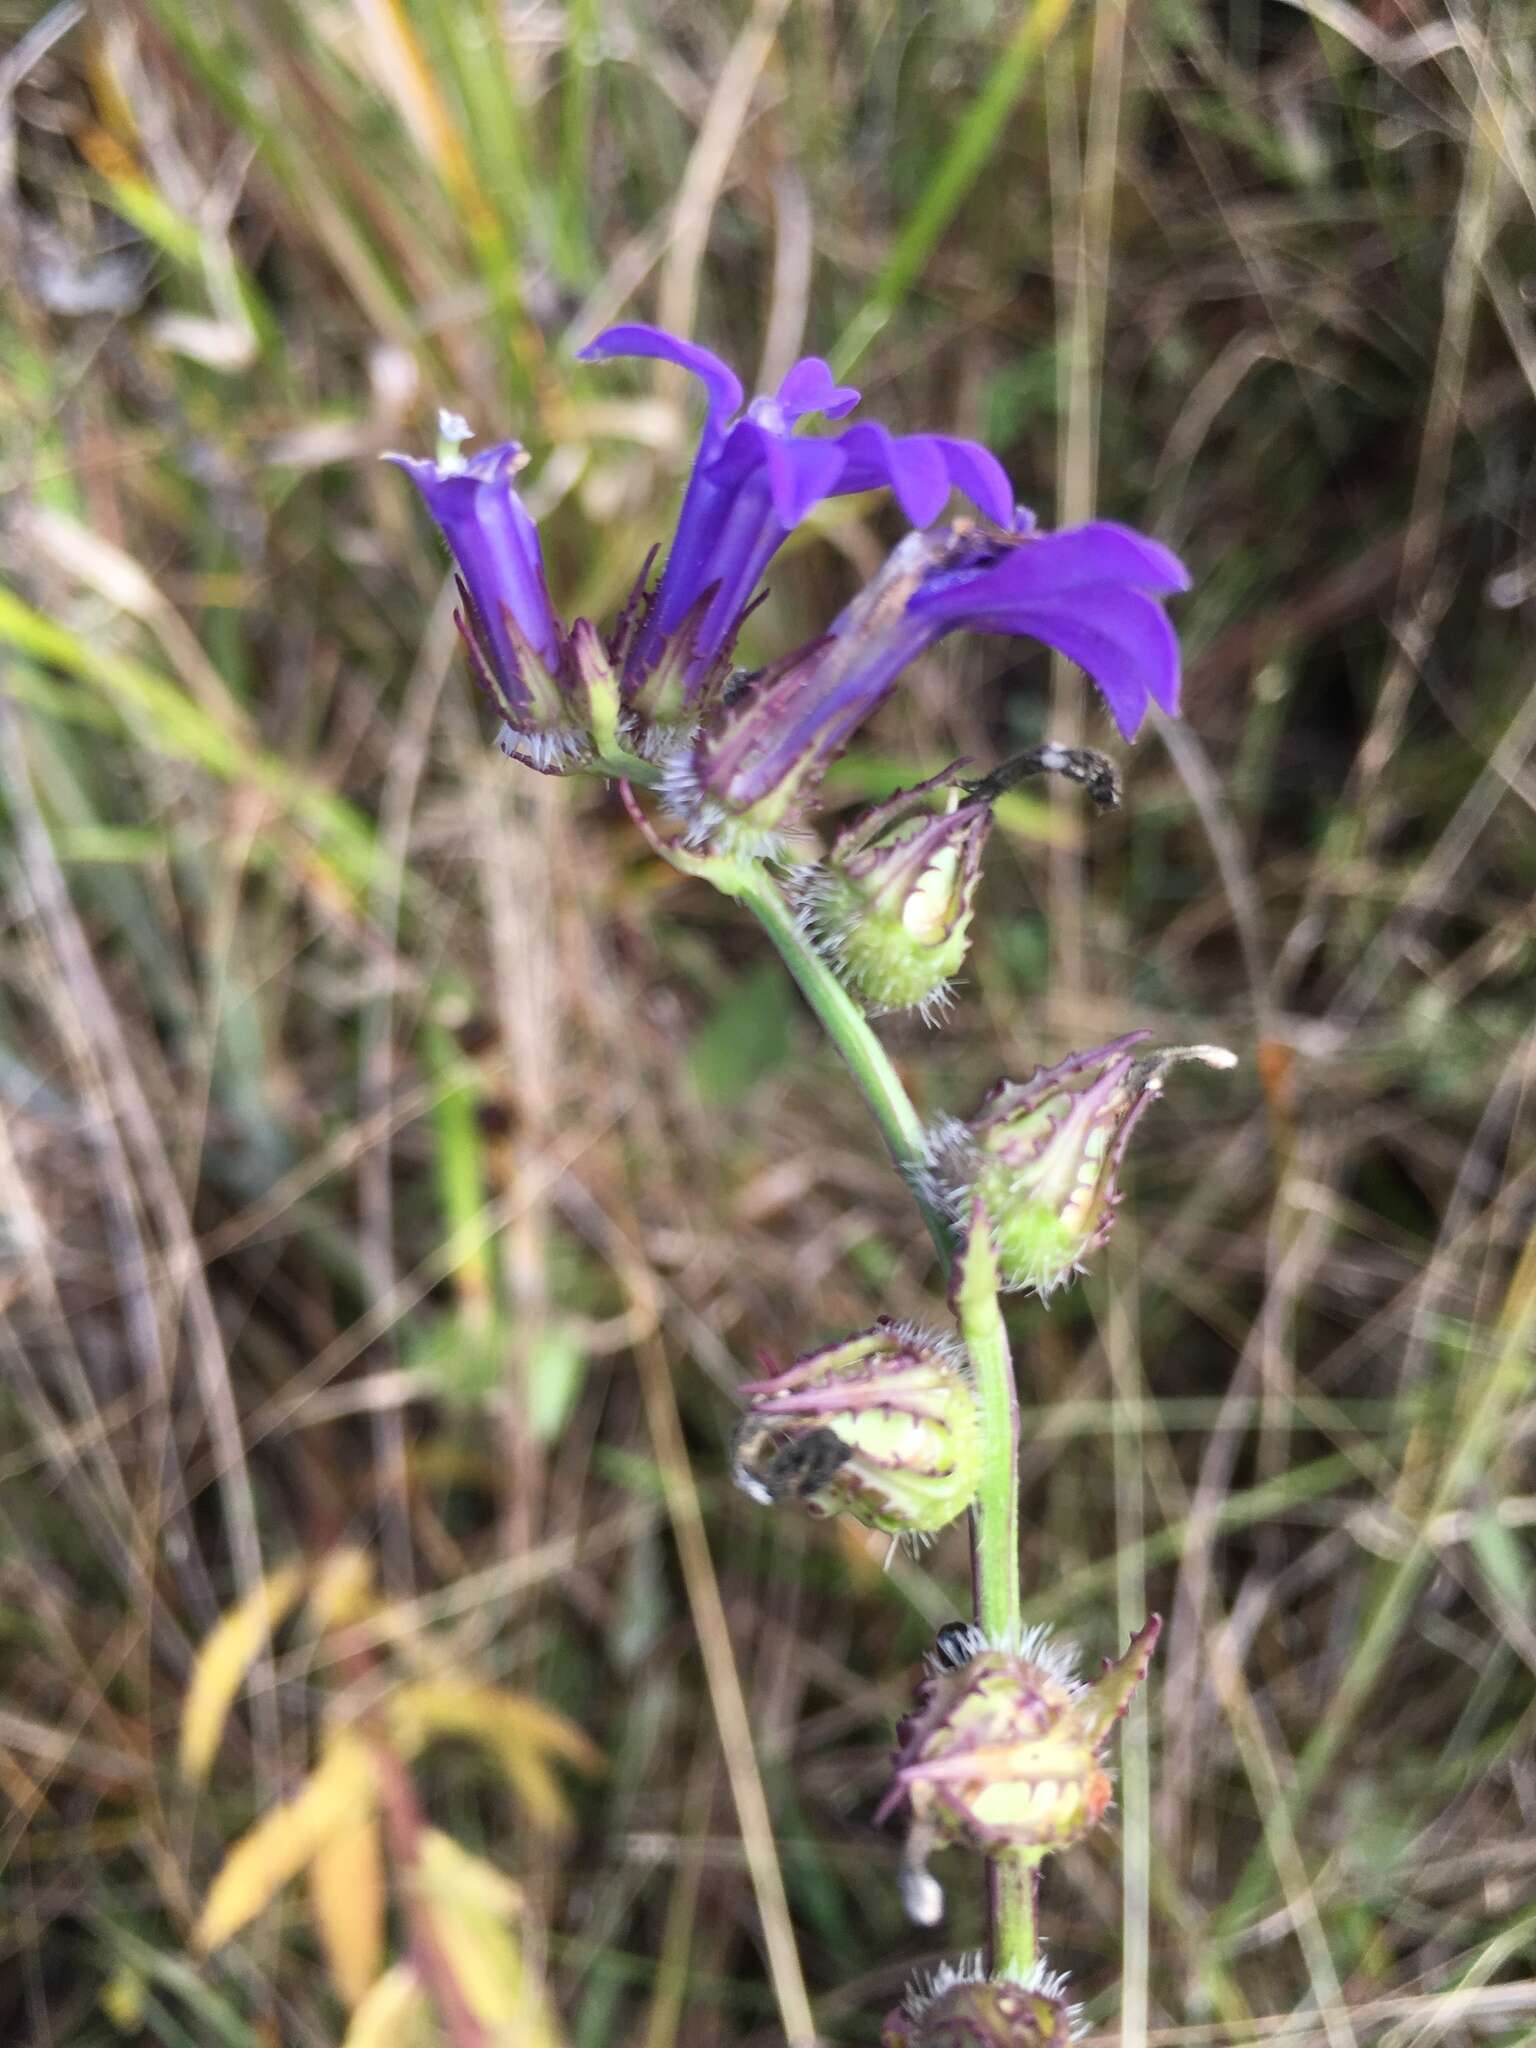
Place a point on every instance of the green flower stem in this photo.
(995, 1540)
(995, 1516)
(845, 1024)
(1011, 1910)
(999, 1602)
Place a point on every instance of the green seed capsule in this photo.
(1043, 1155)
(891, 906)
(883, 1426)
(963, 2009)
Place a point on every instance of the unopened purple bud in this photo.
(884, 1425)
(1042, 1155)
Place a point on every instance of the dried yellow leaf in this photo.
(519, 1734)
(347, 1904)
(220, 1669)
(336, 1796)
(456, 1877)
(395, 2014)
(468, 1903)
(341, 1589)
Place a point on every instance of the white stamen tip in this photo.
(923, 1897)
(1213, 1055)
(453, 427)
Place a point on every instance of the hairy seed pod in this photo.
(1004, 1753)
(883, 1425)
(891, 905)
(1042, 1155)
(961, 2008)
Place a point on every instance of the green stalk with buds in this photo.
(906, 1429)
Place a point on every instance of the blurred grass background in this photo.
(394, 1154)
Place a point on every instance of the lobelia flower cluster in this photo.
(898, 1426)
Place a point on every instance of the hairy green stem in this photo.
(1011, 1882)
(995, 1515)
(847, 1027)
(999, 1602)
(995, 1549)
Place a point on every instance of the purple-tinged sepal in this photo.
(961, 2006)
(1042, 1155)
(666, 689)
(595, 692)
(891, 904)
(1003, 1752)
(883, 1426)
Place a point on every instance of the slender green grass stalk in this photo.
(974, 141)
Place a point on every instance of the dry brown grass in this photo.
(393, 1151)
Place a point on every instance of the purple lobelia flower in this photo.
(556, 690)
(574, 699)
(1093, 592)
(753, 480)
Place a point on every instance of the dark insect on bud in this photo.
(883, 1426)
(769, 1469)
(955, 1645)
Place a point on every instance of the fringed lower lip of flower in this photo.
(1093, 592)
(1004, 1753)
(883, 1425)
(961, 2006)
(1043, 1154)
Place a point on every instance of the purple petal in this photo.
(797, 720)
(634, 338)
(495, 544)
(800, 475)
(922, 469)
(740, 504)
(1122, 637)
(913, 468)
(1100, 552)
(977, 472)
(810, 387)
